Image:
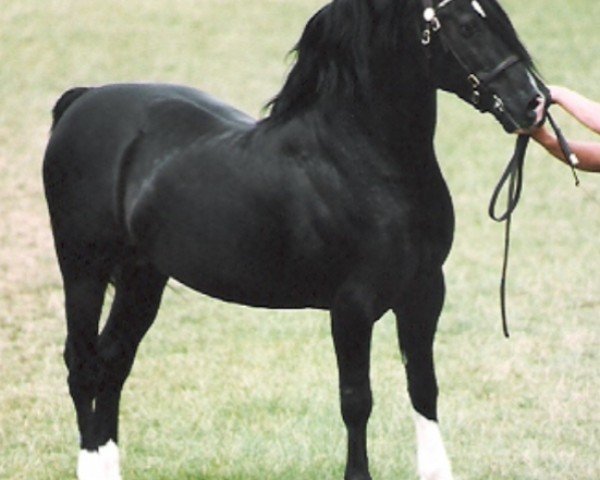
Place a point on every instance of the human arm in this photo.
(588, 153)
(583, 109)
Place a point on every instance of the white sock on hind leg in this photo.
(109, 457)
(99, 465)
(89, 466)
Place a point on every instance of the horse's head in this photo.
(474, 51)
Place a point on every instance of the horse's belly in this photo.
(264, 291)
(228, 248)
(251, 276)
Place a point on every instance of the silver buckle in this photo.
(474, 81)
(498, 104)
(433, 25)
(426, 38)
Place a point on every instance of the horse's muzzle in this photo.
(536, 114)
(539, 111)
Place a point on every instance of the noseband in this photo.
(512, 178)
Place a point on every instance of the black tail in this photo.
(65, 101)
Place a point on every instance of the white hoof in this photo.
(99, 465)
(89, 466)
(433, 463)
(109, 457)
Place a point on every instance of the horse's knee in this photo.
(356, 404)
(352, 323)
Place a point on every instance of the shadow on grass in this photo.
(312, 472)
(192, 473)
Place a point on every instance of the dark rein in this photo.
(513, 174)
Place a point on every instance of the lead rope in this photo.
(513, 174)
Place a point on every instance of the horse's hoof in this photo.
(438, 476)
(89, 466)
(109, 457)
(358, 476)
(440, 473)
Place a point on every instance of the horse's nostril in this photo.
(535, 103)
(535, 108)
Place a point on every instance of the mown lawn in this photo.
(221, 392)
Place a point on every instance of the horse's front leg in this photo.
(352, 326)
(417, 318)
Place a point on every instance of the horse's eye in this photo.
(467, 30)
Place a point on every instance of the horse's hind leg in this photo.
(84, 285)
(417, 317)
(138, 291)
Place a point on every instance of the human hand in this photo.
(558, 94)
(543, 136)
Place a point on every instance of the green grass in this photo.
(224, 392)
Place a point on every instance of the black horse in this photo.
(333, 201)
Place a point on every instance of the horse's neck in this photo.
(400, 119)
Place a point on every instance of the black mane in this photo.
(335, 50)
(333, 53)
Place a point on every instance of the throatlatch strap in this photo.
(513, 174)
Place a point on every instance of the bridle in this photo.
(512, 177)
(478, 78)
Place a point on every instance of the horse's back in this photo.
(106, 119)
(93, 131)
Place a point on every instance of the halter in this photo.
(513, 174)
(478, 79)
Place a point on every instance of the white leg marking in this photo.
(89, 466)
(433, 463)
(109, 457)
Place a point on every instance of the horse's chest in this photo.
(434, 216)
(428, 222)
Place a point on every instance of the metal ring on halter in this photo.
(429, 14)
(498, 103)
(433, 25)
(474, 81)
(426, 38)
